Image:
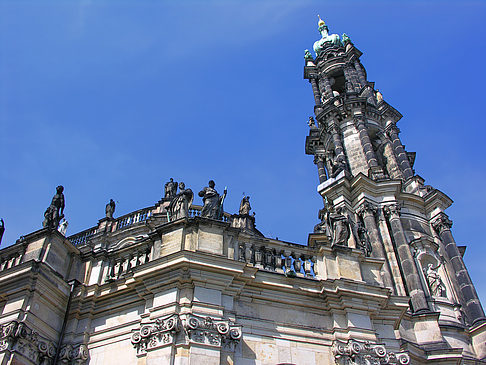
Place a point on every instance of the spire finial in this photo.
(320, 22)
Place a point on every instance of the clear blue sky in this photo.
(112, 98)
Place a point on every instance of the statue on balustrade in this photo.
(2, 229)
(55, 212)
(63, 227)
(110, 209)
(245, 206)
(364, 239)
(179, 206)
(213, 202)
(434, 281)
(170, 188)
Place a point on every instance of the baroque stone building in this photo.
(380, 281)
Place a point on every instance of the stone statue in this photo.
(336, 164)
(434, 281)
(322, 226)
(170, 189)
(245, 206)
(364, 239)
(63, 227)
(311, 123)
(346, 40)
(55, 212)
(338, 224)
(110, 209)
(327, 39)
(212, 207)
(308, 55)
(179, 206)
(2, 229)
(379, 96)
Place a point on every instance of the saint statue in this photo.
(63, 227)
(245, 206)
(436, 285)
(179, 206)
(110, 209)
(170, 189)
(213, 203)
(55, 212)
(364, 239)
(338, 224)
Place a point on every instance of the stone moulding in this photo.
(17, 337)
(74, 354)
(194, 329)
(361, 353)
(156, 334)
(209, 331)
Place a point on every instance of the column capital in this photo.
(441, 223)
(392, 210)
(366, 209)
(318, 157)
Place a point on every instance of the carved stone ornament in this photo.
(366, 208)
(441, 223)
(156, 334)
(18, 337)
(366, 353)
(205, 330)
(392, 210)
(210, 331)
(74, 354)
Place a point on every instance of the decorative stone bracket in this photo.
(203, 330)
(207, 330)
(156, 334)
(366, 353)
(17, 337)
(74, 354)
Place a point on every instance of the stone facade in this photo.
(380, 281)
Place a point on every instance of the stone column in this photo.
(336, 138)
(367, 212)
(375, 169)
(360, 72)
(410, 272)
(317, 93)
(350, 81)
(402, 158)
(321, 167)
(325, 86)
(443, 225)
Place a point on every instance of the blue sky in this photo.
(112, 98)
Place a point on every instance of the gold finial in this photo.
(321, 22)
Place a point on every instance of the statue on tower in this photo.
(245, 206)
(327, 39)
(55, 212)
(179, 206)
(170, 188)
(110, 209)
(213, 203)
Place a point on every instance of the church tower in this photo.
(367, 180)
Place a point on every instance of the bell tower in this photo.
(367, 180)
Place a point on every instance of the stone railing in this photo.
(195, 211)
(293, 262)
(11, 256)
(83, 236)
(132, 218)
(124, 261)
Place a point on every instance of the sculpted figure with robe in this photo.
(179, 206)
